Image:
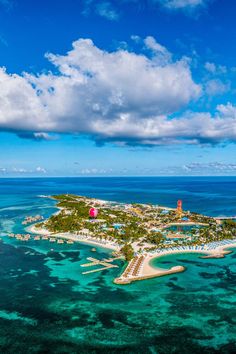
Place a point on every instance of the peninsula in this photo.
(138, 232)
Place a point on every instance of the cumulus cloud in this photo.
(162, 55)
(107, 95)
(119, 96)
(191, 128)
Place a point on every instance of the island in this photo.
(137, 232)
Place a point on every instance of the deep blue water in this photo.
(48, 306)
(210, 195)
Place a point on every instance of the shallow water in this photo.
(47, 305)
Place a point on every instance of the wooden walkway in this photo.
(105, 263)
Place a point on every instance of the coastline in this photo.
(74, 237)
(147, 271)
(140, 266)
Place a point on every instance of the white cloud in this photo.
(19, 170)
(182, 4)
(215, 69)
(118, 96)
(215, 167)
(191, 128)
(162, 55)
(22, 170)
(211, 67)
(105, 9)
(40, 169)
(95, 171)
(216, 87)
(106, 95)
(109, 9)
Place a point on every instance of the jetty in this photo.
(105, 263)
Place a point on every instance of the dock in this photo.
(105, 263)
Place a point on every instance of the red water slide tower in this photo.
(179, 208)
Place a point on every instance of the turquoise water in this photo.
(48, 306)
(183, 228)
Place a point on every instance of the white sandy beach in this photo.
(74, 237)
(145, 270)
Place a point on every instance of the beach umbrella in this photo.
(93, 212)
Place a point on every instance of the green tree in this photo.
(128, 251)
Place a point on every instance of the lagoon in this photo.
(46, 300)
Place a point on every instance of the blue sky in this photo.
(100, 88)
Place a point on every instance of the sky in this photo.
(117, 88)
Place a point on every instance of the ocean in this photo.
(48, 306)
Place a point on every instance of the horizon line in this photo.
(115, 176)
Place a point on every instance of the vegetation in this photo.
(144, 224)
(128, 251)
(156, 238)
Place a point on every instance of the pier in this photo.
(105, 263)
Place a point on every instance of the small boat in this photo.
(70, 242)
(37, 238)
(52, 240)
(60, 241)
(93, 249)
